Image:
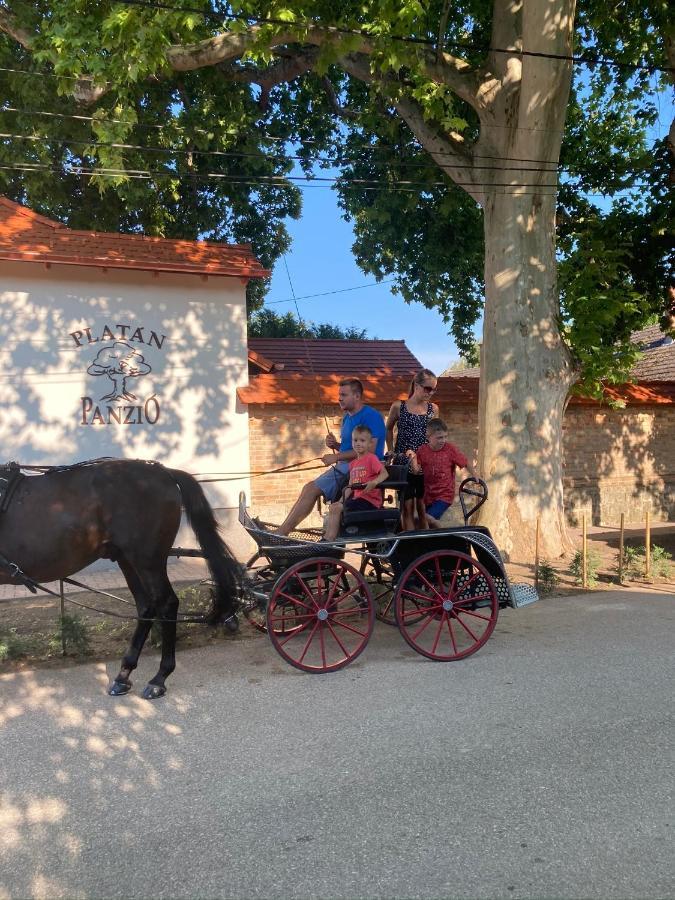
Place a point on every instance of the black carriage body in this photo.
(471, 540)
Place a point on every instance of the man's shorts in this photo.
(437, 508)
(332, 482)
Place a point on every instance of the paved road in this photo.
(541, 767)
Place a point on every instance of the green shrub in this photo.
(592, 566)
(634, 560)
(661, 562)
(71, 632)
(13, 645)
(548, 579)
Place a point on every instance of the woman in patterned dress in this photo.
(409, 418)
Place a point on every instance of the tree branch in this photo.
(84, 90)
(8, 24)
(232, 45)
(287, 69)
(448, 152)
(342, 111)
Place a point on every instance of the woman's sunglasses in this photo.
(427, 389)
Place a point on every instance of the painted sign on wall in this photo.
(122, 365)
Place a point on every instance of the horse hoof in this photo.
(231, 624)
(153, 691)
(119, 688)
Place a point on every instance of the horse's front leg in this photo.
(122, 683)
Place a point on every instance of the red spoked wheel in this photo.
(446, 605)
(320, 615)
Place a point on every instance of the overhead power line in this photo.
(358, 287)
(304, 142)
(271, 180)
(243, 154)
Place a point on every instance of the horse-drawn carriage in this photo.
(318, 600)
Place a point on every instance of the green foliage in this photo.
(634, 562)
(205, 152)
(71, 631)
(548, 579)
(593, 561)
(267, 323)
(14, 645)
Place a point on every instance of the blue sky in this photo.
(321, 259)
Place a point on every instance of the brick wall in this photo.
(619, 461)
(615, 460)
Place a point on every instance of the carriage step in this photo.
(522, 595)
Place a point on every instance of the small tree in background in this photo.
(269, 324)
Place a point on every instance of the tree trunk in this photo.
(525, 377)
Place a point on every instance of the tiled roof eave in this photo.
(296, 389)
(105, 262)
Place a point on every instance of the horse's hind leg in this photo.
(168, 611)
(122, 683)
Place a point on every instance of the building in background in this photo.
(615, 460)
(123, 345)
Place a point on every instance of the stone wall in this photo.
(615, 460)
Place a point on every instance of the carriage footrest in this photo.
(522, 595)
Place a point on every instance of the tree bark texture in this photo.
(525, 377)
(527, 370)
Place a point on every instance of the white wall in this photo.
(190, 357)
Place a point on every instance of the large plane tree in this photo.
(468, 157)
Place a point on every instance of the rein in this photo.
(35, 586)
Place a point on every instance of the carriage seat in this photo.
(386, 518)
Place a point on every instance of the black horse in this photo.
(55, 524)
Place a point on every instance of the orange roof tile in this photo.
(29, 237)
(261, 362)
(312, 356)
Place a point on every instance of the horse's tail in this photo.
(224, 568)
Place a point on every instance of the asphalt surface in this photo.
(543, 766)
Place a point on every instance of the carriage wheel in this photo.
(320, 614)
(446, 605)
(255, 608)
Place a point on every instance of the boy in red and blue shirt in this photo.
(438, 460)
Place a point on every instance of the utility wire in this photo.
(266, 180)
(302, 142)
(244, 154)
(358, 287)
(391, 188)
(407, 39)
(304, 339)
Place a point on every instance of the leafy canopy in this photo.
(206, 152)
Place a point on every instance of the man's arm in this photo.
(329, 459)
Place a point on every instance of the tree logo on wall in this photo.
(120, 362)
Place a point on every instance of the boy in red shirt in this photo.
(437, 460)
(367, 470)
